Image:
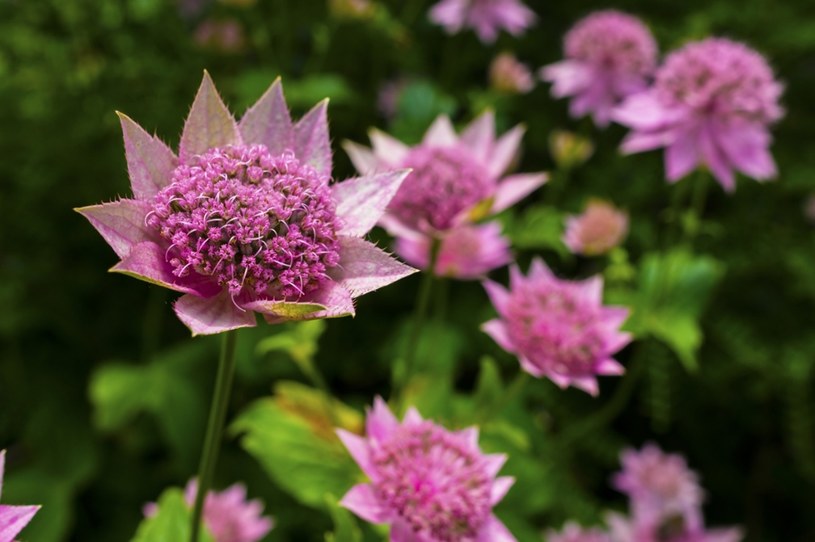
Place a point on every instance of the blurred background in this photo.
(103, 397)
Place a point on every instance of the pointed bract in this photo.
(209, 124)
(121, 223)
(150, 163)
(213, 315)
(312, 144)
(268, 122)
(362, 201)
(365, 268)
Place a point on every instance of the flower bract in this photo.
(12, 518)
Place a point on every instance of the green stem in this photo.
(617, 402)
(215, 426)
(697, 204)
(428, 278)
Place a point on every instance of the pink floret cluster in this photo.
(609, 56)
(429, 483)
(712, 104)
(253, 221)
(486, 17)
(597, 230)
(558, 328)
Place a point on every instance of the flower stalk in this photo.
(215, 426)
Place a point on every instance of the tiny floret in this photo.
(429, 483)
(712, 104)
(609, 56)
(558, 328)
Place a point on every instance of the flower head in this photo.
(558, 328)
(598, 229)
(243, 220)
(509, 75)
(609, 55)
(712, 104)
(229, 517)
(659, 485)
(12, 518)
(572, 532)
(455, 181)
(486, 17)
(429, 483)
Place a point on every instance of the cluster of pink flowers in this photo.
(665, 503)
(710, 103)
(510, 76)
(228, 516)
(455, 181)
(430, 484)
(12, 518)
(597, 230)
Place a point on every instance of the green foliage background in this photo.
(103, 397)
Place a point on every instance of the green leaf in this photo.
(171, 523)
(672, 293)
(164, 388)
(345, 526)
(538, 227)
(292, 437)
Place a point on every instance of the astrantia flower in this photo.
(659, 485)
(609, 55)
(243, 220)
(465, 252)
(486, 17)
(228, 516)
(429, 483)
(598, 229)
(558, 328)
(509, 75)
(12, 518)
(455, 179)
(572, 532)
(711, 104)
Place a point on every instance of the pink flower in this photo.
(597, 230)
(430, 484)
(12, 518)
(660, 485)
(456, 180)
(509, 75)
(711, 104)
(609, 56)
(572, 532)
(244, 221)
(558, 328)
(465, 252)
(229, 517)
(486, 17)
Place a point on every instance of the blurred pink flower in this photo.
(244, 221)
(659, 485)
(711, 104)
(486, 17)
(465, 252)
(572, 532)
(509, 75)
(229, 517)
(12, 518)
(674, 529)
(609, 56)
(558, 328)
(429, 483)
(456, 180)
(225, 36)
(598, 229)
